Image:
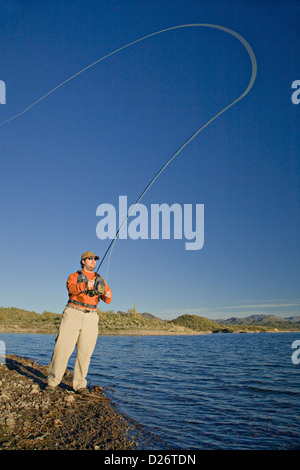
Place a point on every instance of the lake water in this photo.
(216, 391)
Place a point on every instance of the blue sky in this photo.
(107, 132)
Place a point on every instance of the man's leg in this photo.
(85, 347)
(65, 344)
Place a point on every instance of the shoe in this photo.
(83, 391)
(50, 388)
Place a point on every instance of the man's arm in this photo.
(107, 296)
(73, 287)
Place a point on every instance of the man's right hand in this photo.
(90, 284)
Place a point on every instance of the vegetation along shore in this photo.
(15, 320)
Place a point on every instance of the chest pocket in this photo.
(99, 286)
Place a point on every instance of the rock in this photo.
(35, 388)
(10, 422)
(69, 398)
(4, 397)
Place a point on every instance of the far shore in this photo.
(132, 323)
(113, 333)
(141, 332)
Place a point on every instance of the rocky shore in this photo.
(32, 418)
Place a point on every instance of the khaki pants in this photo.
(77, 328)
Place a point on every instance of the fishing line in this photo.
(189, 140)
(222, 28)
(212, 26)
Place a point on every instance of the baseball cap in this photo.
(89, 254)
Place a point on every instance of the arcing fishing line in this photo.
(252, 79)
(251, 82)
(222, 28)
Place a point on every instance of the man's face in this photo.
(89, 264)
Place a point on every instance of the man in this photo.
(79, 324)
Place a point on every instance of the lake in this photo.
(215, 391)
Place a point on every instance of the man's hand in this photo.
(107, 295)
(90, 284)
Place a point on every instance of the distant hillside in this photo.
(148, 316)
(196, 323)
(132, 323)
(269, 321)
(15, 319)
(21, 321)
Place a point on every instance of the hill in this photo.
(22, 321)
(196, 323)
(16, 320)
(202, 324)
(131, 323)
(268, 321)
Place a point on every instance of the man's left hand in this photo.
(107, 295)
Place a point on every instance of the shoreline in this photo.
(146, 332)
(113, 333)
(33, 419)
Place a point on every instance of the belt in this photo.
(84, 310)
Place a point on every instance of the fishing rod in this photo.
(141, 196)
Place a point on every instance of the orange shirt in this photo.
(76, 291)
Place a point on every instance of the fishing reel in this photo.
(99, 288)
(91, 293)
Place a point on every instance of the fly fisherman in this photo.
(79, 324)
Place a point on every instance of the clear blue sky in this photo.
(107, 132)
